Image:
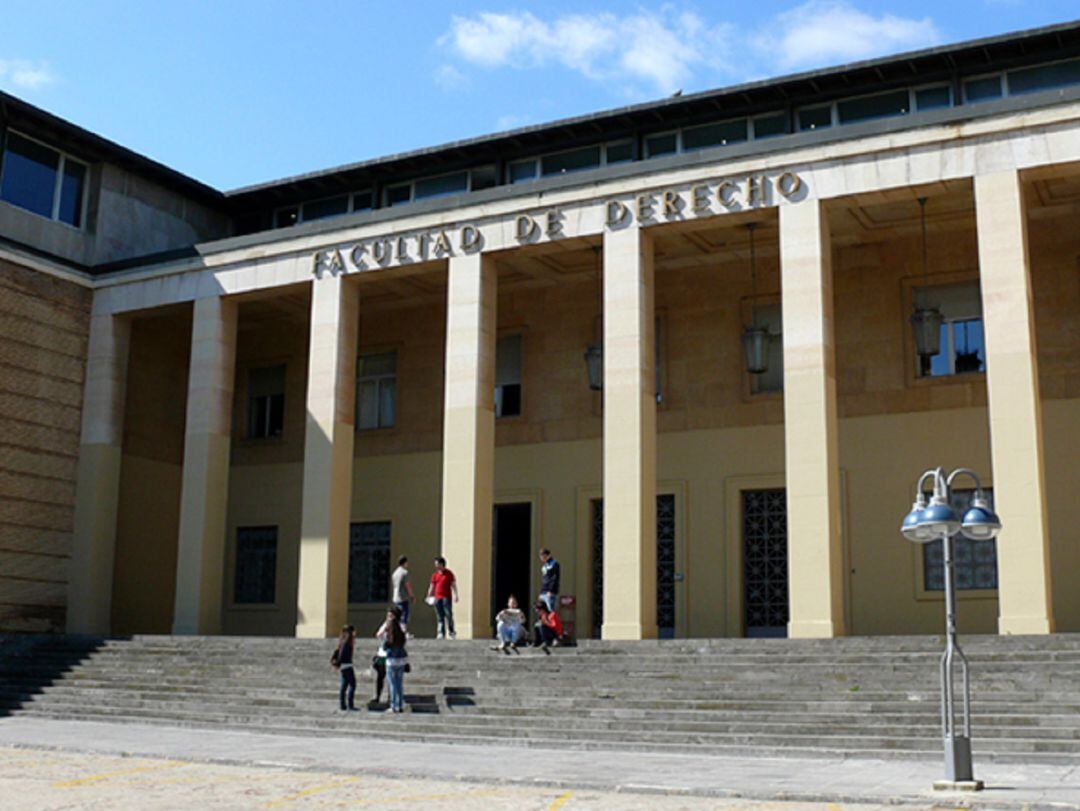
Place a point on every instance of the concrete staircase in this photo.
(870, 697)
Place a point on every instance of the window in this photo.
(772, 379)
(284, 217)
(933, 98)
(255, 579)
(975, 562)
(376, 390)
(619, 152)
(962, 347)
(266, 402)
(666, 144)
(330, 207)
(1044, 77)
(726, 132)
(441, 186)
(363, 201)
(573, 161)
(882, 105)
(769, 126)
(815, 118)
(369, 562)
(42, 180)
(401, 193)
(984, 89)
(321, 209)
(521, 171)
(508, 376)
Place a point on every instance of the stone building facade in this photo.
(296, 383)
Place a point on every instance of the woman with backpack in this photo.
(342, 661)
(393, 637)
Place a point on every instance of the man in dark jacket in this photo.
(549, 580)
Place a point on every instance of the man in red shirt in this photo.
(548, 628)
(443, 586)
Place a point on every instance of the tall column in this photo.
(97, 489)
(322, 595)
(1012, 385)
(204, 488)
(629, 436)
(469, 437)
(815, 546)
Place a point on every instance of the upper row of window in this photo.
(43, 180)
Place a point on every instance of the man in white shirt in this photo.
(403, 593)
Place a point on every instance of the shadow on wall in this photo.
(30, 663)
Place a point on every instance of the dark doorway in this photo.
(511, 555)
(765, 563)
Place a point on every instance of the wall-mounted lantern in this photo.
(755, 338)
(926, 321)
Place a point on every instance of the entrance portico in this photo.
(635, 221)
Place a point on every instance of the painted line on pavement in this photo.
(560, 801)
(312, 790)
(95, 778)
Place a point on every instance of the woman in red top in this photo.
(548, 628)
(443, 585)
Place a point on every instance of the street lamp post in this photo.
(929, 522)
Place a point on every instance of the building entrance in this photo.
(765, 563)
(511, 555)
(666, 576)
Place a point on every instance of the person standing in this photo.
(393, 637)
(443, 590)
(342, 660)
(549, 580)
(403, 593)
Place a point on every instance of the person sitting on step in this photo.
(510, 625)
(548, 628)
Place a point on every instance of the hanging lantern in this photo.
(756, 346)
(926, 321)
(594, 364)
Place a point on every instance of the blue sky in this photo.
(241, 92)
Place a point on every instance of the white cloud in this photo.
(827, 32)
(450, 78)
(660, 49)
(669, 48)
(23, 74)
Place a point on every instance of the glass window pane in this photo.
(939, 363)
(330, 207)
(483, 178)
(772, 379)
(369, 562)
(983, 89)
(815, 118)
(255, 578)
(1044, 77)
(440, 186)
(968, 345)
(725, 132)
(367, 403)
(71, 192)
(275, 419)
(398, 194)
(286, 217)
(620, 152)
(508, 400)
(363, 200)
(656, 145)
(29, 179)
(522, 171)
(572, 161)
(508, 360)
(883, 105)
(770, 125)
(381, 364)
(387, 402)
(932, 98)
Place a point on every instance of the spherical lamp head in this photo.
(980, 522)
(939, 519)
(910, 528)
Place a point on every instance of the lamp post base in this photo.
(958, 760)
(960, 785)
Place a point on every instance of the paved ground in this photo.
(48, 764)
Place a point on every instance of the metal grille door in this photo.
(765, 562)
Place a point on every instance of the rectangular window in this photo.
(572, 161)
(329, 207)
(43, 180)
(363, 200)
(933, 98)
(975, 562)
(508, 376)
(376, 390)
(620, 152)
(882, 105)
(369, 562)
(961, 349)
(1044, 77)
(769, 126)
(815, 118)
(725, 132)
(521, 171)
(984, 89)
(255, 579)
(657, 145)
(772, 379)
(266, 402)
(395, 195)
(441, 186)
(483, 178)
(284, 217)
